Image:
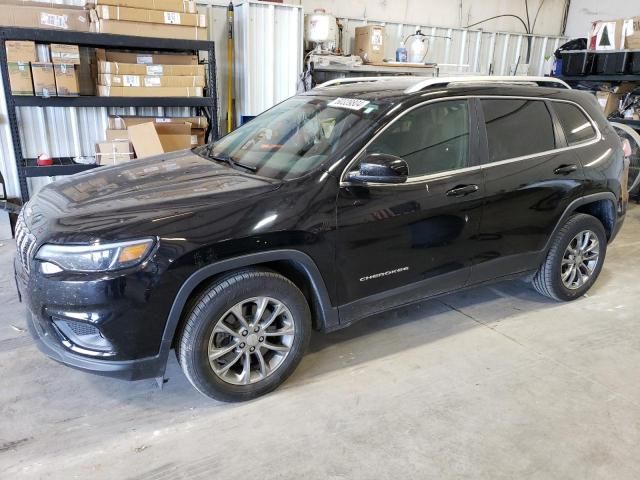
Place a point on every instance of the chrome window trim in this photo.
(423, 178)
(593, 124)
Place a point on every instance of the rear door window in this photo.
(577, 127)
(517, 128)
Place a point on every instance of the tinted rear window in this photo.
(516, 128)
(577, 127)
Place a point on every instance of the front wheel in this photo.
(574, 260)
(245, 335)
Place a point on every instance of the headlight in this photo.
(93, 258)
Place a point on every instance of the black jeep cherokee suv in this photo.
(349, 200)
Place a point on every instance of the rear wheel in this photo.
(245, 335)
(574, 260)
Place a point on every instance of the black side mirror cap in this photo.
(380, 168)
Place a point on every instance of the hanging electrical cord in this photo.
(565, 17)
(535, 19)
(528, 28)
(426, 52)
(420, 34)
(524, 24)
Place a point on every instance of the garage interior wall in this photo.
(583, 12)
(449, 13)
(79, 128)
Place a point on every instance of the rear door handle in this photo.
(565, 169)
(462, 190)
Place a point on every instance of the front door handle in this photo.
(565, 169)
(462, 190)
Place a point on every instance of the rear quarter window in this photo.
(577, 127)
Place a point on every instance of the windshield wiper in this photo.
(231, 162)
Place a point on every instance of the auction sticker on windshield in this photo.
(349, 103)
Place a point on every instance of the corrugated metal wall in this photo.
(268, 41)
(462, 51)
(74, 131)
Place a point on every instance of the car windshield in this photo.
(296, 136)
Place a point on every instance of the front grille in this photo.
(81, 328)
(25, 243)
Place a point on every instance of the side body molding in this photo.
(329, 315)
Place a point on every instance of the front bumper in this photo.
(50, 345)
(111, 308)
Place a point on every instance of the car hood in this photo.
(148, 190)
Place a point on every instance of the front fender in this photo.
(328, 312)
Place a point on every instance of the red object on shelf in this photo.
(44, 160)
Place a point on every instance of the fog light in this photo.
(49, 268)
(83, 337)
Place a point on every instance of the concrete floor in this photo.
(494, 383)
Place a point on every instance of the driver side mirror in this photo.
(380, 168)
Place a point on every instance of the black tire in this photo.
(225, 292)
(548, 279)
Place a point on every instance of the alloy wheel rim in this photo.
(251, 340)
(580, 259)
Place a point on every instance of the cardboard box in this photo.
(116, 135)
(170, 5)
(605, 35)
(33, 15)
(631, 33)
(20, 78)
(174, 136)
(113, 152)
(116, 68)
(44, 82)
(118, 126)
(87, 71)
(197, 136)
(145, 140)
(146, 58)
(21, 51)
(149, 139)
(610, 100)
(61, 53)
(104, 91)
(67, 79)
(150, 81)
(127, 14)
(621, 34)
(122, 123)
(370, 43)
(142, 29)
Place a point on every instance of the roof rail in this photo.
(338, 81)
(423, 83)
(446, 81)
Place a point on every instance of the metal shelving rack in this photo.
(635, 124)
(65, 165)
(600, 78)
